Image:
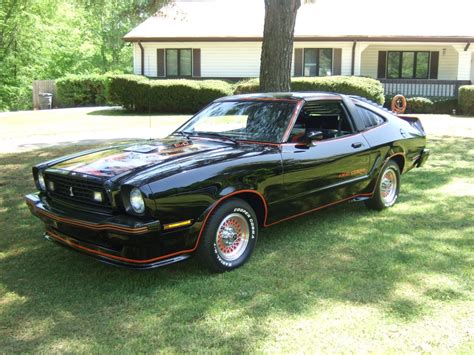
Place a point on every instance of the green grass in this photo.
(342, 279)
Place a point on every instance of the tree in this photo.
(47, 39)
(277, 46)
(108, 21)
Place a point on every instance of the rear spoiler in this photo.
(414, 122)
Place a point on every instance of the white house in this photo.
(416, 47)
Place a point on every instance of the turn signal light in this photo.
(177, 224)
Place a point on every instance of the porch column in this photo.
(464, 62)
(357, 60)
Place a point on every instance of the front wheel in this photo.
(387, 189)
(229, 236)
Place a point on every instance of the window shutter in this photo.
(434, 63)
(382, 65)
(336, 62)
(197, 62)
(298, 62)
(160, 62)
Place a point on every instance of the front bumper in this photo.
(119, 240)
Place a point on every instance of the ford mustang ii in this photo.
(240, 164)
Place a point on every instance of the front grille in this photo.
(77, 191)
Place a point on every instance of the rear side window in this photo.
(369, 118)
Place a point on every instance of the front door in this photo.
(331, 169)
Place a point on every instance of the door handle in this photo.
(357, 145)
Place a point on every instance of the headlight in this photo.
(136, 201)
(41, 182)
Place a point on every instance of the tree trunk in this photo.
(277, 46)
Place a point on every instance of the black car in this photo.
(242, 163)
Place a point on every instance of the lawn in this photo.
(342, 279)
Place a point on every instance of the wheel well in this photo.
(256, 202)
(400, 160)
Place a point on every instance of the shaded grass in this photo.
(342, 279)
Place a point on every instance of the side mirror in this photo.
(313, 136)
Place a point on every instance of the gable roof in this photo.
(403, 20)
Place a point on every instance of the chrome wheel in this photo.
(232, 237)
(388, 187)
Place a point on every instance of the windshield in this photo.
(260, 121)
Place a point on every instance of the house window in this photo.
(408, 65)
(179, 62)
(317, 61)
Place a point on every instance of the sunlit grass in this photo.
(342, 279)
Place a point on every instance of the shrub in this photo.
(13, 98)
(419, 105)
(140, 94)
(444, 105)
(466, 99)
(366, 87)
(388, 101)
(82, 90)
(436, 105)
(247, 86)
(123, 90)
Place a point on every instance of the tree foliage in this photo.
(47, 39)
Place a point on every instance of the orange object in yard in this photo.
(399, 104)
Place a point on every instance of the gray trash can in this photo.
(45, 100)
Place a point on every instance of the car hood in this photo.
(123, 160)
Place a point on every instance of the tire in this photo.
(387, 189)
(229, 236)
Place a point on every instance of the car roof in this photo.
(296, 96)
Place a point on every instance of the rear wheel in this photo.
(387, 189)
(229, 236)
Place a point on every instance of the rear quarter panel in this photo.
(396, 137)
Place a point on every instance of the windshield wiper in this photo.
(215, 135)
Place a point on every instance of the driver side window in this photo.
(327, 117)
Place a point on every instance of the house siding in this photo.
(242, 59)
(472, 68)
(137, 65)
(229, 59)
(448, 63)
(218, 60)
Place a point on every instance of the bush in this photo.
(82, 90)
(123, 90)
(13, 98)
(435, 105)
(444, 105)
(140, 94)
(419, 105)
(466, 99)
(366, 87)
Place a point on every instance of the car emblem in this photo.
(71, 193)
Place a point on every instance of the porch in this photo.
(417, 69)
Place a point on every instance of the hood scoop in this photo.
(182, 144)
(166, 149)
(142, 148)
